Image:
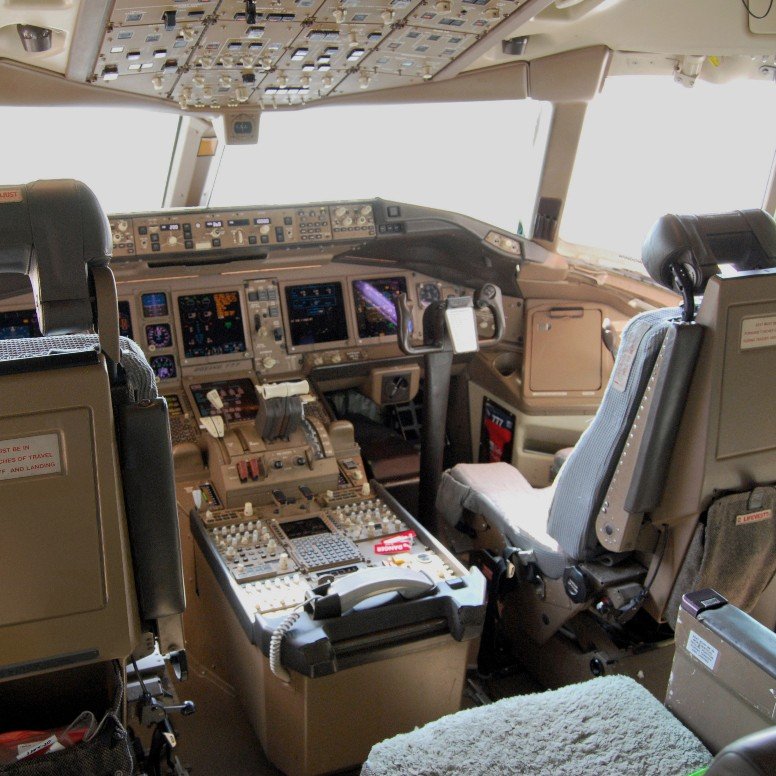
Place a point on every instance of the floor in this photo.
(218, 741)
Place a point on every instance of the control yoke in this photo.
(446, 323)
(449, 326)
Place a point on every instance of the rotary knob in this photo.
(340, 211)
(264, 229)
(347, 221)
(268, 362)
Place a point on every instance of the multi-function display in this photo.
(316, 313)
(18, 324)
(375, 305)
(240, 399)
(211, 324)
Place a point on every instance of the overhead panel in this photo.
(127, 13)
(473, 16)
(211, 55)
(142, 49)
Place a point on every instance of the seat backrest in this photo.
(587, 474)
(619, 470)
(74, 586)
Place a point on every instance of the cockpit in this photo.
(386, 387)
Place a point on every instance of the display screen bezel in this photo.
(371, 278)
(346, 303)
(213, 359)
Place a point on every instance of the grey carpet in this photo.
(605, 727)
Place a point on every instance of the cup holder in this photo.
(506, 363)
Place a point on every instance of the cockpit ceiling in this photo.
(210, 55)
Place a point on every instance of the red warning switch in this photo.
(242, 471)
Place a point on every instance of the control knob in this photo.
(340, 211)
(283, 562)
(347, 221)
(268, 362)
(264, 229)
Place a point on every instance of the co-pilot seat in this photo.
(90, 568)
(687, 415)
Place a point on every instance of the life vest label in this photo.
(758, 332)
(698, 647)
(10, 195)
(30, 456)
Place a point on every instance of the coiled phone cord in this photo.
(276, 641)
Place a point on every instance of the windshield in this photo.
(650, 147)
(122, 154)
(482, 159)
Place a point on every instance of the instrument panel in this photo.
(190, 231)
(253, 292)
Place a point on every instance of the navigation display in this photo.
(211, 324)
(375, 305)
(240, 399)
(154, 304)
(316, 313)
(18, 324)
(125, 319)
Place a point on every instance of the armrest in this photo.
(754, 755)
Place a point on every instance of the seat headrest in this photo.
(54, 231)
(745, 239)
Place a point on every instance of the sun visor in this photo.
(54, 231)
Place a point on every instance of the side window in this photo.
(650, 147)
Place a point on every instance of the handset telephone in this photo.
(336, 598)
(343, 594)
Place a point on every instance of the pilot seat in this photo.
(670, 487)
(91, 573)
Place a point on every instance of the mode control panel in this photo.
(193, 231)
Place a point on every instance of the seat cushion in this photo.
(608, 726)
(499, 493)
